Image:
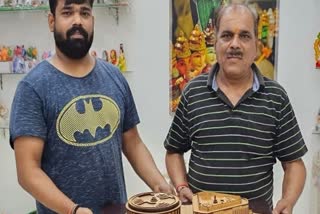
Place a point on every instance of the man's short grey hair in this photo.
(236, 6)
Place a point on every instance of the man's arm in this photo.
(28, 153)
(142, 162)
(177, 172)
(292, 186)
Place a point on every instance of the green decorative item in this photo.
(205, 9)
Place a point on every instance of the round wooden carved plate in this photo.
(153, 202)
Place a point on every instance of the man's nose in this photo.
(77, 20)
(235, 42)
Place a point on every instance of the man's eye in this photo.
(226, 36)
(245, 36)
(66, 13)
(86, 14)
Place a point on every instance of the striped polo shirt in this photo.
(234, 148)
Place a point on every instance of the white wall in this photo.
(296, 72)
(144, 30)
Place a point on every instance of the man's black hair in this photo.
(53, 4)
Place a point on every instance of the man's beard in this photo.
(73, 48)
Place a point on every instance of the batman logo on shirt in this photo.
(88, 120)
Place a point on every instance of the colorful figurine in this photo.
(93, 53)
(272, 24)
(4, 54)
(210, 42)
(122, 63)
(316, 46)
(263, 27)
(105, 55)
(198, 47)
(3, 112)
(46, 55)
(32, 53)
(113, 57)
(182, 52)
(18, 65)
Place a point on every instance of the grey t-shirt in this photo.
(81, 121)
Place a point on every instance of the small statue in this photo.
(4, 54)
(105, 55)
(93, 53)
(46, 55)
(3, 112)
(197, 46)
(32, 53)
(209, 34)
(272, 24)
(113, 57)
(316, 47)
(122, 63)
(263, 27)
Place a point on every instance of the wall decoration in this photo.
(4, 116)
(316, 46)
(192, 40)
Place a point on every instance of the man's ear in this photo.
(51, 21)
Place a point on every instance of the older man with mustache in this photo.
(236, 123)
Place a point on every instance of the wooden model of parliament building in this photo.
(203, 203)
(218, 203)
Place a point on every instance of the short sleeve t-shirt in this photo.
(81, 121)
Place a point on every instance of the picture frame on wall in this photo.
(192, 40)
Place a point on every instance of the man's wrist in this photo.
(74, 208)
(181, 187)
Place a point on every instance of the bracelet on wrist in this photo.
(75, 209)
(181, 186)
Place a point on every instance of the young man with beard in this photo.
(71, 117)
(236, 124)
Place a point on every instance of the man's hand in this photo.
(164, 188)
(283, 207)
(185, 195)
(83, 210)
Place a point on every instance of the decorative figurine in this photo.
(317, 126)
(272, 24)
(46, 55)
(113, 57)
(122, 63)
(210, 34)
(4, 115)
(18, 65)
(3, 112)
(105, 55)
(32, 53)
(210, 51)
(198, 47)
(4, 54)
(182, 53)
(263, 27)
(93, 53)
(316, 47)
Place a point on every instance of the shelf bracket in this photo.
(1, 83)
(115, 13)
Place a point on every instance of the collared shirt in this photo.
(234, 148)
(255, 85)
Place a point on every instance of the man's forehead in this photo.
(69, 2)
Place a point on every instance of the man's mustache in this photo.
(235, 53)
(75, 29)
